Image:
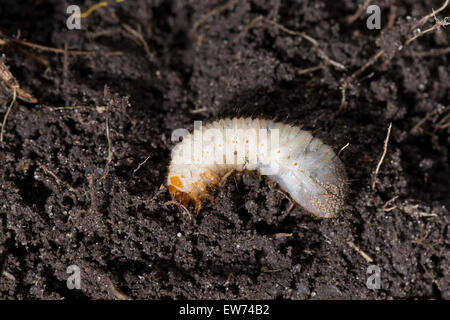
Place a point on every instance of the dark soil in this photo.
(62, 203)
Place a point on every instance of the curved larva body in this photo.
(307, 169)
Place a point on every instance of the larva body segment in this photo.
(307, 169)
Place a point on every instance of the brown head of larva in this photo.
(175, 189)
(199, 192)
(179, 196)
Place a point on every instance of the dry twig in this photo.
(438, 24)
(7, 114)
(380, 53)
(391, 18)
(110, 152)
(99, 109)
(212, 13)
(374, 181)
(249, 27)
(57, 179)
(199, 110)
(431, 53)
(423, 20)
(311, 40)
(61, 51)
(308, 70)
(362, 253)
(343, 148)
(442, 124)
(385, 206)
(10, 83)
(358, 12)
(140, 38)
(140, 165)
(96, 6)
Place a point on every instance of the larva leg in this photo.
(200, 194)
(272, 184)
(259, 176)
(197, 201)
(292, 206)
(178, 196)
(225, 177)
(207, 196)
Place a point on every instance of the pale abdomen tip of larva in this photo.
(304, 167)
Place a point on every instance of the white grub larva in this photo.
(303, 166)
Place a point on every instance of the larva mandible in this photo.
(306, 168)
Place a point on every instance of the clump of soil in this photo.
(85, 186)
